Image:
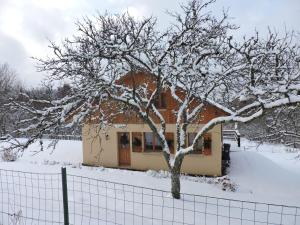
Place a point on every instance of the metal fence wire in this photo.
(35, 198)
(30, 198)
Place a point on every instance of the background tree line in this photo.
(11, 87)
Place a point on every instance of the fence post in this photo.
(65, 195)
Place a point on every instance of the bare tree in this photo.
(283, 126)
(194, 54)
(276, 126)
(9, 85)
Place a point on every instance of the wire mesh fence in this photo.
(33, 198)
(30, 198)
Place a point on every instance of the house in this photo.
(131, 144)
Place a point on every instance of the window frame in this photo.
(154, 142)
(169, 137)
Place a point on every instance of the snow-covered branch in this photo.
(195, 62)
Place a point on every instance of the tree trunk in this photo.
(175, 182)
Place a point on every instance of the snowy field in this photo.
(259, 173)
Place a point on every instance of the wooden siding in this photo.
(130, 117)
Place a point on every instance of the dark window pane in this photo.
(124, 140)
(170, 141)
(158, 145)
(149, 141)
(207, 143)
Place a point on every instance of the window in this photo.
(158, 145)
(137, 142)
(152, 144)
(161, 101)
(148, 141)
(170, 141)
(124, 140)
(199, 144)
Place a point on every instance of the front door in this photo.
(124, 148)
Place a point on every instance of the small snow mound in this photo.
(50, 162)
(158, 174)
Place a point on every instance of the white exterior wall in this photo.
(101, 149)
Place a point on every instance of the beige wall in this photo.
(101, 149)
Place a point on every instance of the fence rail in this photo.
(37, 198)
(63, 137)
(232, 135)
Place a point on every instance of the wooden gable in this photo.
(141, 78)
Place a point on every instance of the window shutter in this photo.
(137, 145)
(207, 144)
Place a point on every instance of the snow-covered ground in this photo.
(260, 173)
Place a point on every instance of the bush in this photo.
(9, 155)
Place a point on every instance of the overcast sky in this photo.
(27, 25)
